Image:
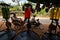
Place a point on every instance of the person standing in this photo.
(54, 16)
(27, 8)
(27, 13)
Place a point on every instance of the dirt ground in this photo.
(39, 31)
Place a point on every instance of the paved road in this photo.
(42, 20)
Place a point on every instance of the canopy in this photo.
(4, 4)
(40, 1)
(33, 1)
(54, 2)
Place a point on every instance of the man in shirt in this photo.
(54, 15)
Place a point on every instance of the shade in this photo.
(41, 1)
(4, 4)
(36, 1)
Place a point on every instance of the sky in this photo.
(13, 3)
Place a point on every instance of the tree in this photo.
(17, 1)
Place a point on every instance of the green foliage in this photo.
(15, 8)
(41, 13)
(19, 8)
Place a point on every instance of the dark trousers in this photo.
(28, 22)
(27, 19)
(56, 21)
